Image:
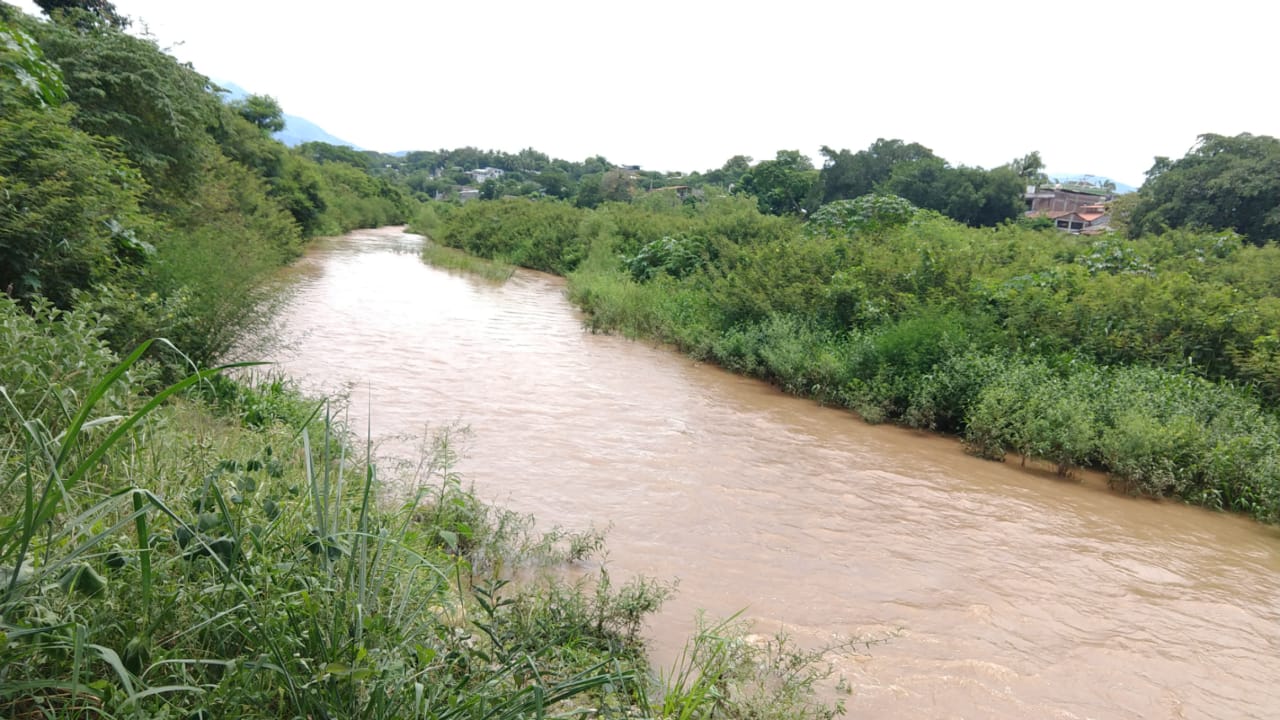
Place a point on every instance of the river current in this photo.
(1005, 592)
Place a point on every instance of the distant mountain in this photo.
(1088, 179)
(297, 130)
(300, 130)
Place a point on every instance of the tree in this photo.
(555, 183)
(530, 160)
(1030, 167)
(617, 186)
(293, 179)
(730, 173)
(1002, 192)
(1222, 183)
(927, 183)
(780, 185)
(261, 110)
(68, 207)
(1121, 211)
(589, 193)
(970, 195)
(128, 88)
(323, 152)
(847, 175)
(1158, 166)
(101, 9)
(491, 189)
(911, 170)
(592, 166)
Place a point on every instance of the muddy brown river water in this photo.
(1010, 593)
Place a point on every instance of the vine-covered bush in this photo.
(676, 256)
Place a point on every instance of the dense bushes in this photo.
(49, 362)
(145, 198)
(71, 207)
(1156, 359)
(539, 235)
(1158, 432)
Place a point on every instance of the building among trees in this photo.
(1073, 208)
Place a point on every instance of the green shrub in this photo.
(180, 565)
(537, 234)
(49, 362)
(676, 256)
(868, 214)
(69, 207)
(944, 397)
(429, 220)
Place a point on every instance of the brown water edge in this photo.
(1014, 593)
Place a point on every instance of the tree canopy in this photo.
(261, 110)
(846, 175)
(100, 9)
(128, 88)
(780, 185)
(910, 170)
(1222, 183)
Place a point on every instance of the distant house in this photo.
(1088, 219)
(1073, 208)
(681, 191)
(468, 193)
(1063, 198)
(485, 173)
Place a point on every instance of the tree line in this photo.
(789, 184)
(1222, 183)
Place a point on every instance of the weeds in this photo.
(725, 671)
(447, 258)
(221, 549)
(274, 584)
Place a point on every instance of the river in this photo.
(1009, 593)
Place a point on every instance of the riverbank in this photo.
(1103, 354)
(989, 578)
(227, 548)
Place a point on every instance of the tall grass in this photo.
(57, 526)
(446, 258)
(166, 561)
(271, 584)
(726, 671)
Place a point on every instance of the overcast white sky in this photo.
(683, 85)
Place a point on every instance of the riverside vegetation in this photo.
(222, 549)
(1156, 359)
(177, 543)
(181, 543)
